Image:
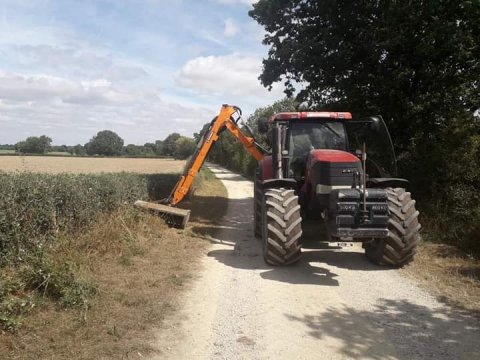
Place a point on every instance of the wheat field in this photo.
(85, 165)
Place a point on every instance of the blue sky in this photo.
(142, 68)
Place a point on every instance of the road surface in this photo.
(333, 304)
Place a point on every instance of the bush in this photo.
(43, 222)
(453, 212)
(34, 208)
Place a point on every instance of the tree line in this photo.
(108, 143)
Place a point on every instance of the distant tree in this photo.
(134, 150)
(79, 150)
(59, 148)
(106, 143)
(7, 147)
(159, 147)
(184, 147)
(169, 144)
(149, 149)
(34, 145)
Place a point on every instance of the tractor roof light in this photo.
(310, 115)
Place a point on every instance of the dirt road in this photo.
(331, 305)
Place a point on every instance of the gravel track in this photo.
(333, 304)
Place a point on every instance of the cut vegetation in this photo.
(90, 276)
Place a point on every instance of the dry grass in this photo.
(140, 268)
(449, 274)
(84, 165)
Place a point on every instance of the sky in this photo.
(142, 68)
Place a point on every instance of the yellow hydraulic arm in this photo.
(225, 119)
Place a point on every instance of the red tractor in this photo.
(319, 170)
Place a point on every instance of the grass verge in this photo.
(449, 274)
(101, 294)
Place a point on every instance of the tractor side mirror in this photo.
(262, 126)
(375, 123)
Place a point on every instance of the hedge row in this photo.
(35, 208)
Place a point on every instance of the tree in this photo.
(34, 145)
(169, 144)
(416, 62)
(106, 143)
(134, 150)
(79, 150)
(158, 147)
(149, 149)
(264, 113)
(184, 147)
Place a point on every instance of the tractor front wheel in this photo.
(282, 227)
(400, 246)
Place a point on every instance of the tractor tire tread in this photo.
(282, 229)
(400, 246)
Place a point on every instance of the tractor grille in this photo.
(347, 218)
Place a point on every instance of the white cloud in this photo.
(231, 29)
(84, 62)
(225, 75)
(73, 111)
(69, 79)
(25, 88)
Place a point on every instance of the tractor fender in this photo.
(279, 183)
(266, 168)
(387, 182)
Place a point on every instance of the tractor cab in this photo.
(301, 137)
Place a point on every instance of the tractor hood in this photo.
(330, 156)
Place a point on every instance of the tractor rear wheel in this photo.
(257, 208)
(400, 246)
(282, 227)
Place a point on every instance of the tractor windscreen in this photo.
(307, 136)
(381, 161)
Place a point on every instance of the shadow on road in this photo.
(416, 331)
(246, 251)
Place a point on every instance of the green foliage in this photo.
(158, 149)
(264, 113)
(455, 213)
(40, 213)
(184, 147)
(229, 152)
(56, 280)
(7, 147)
(169, 144)
(138, 150)
(79, 150)
(34, 145)
(416, 63)
(34, 208)
(12, 306)
(106, 143)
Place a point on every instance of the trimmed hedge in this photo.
(34, 208)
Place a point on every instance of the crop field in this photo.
(85, 165)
